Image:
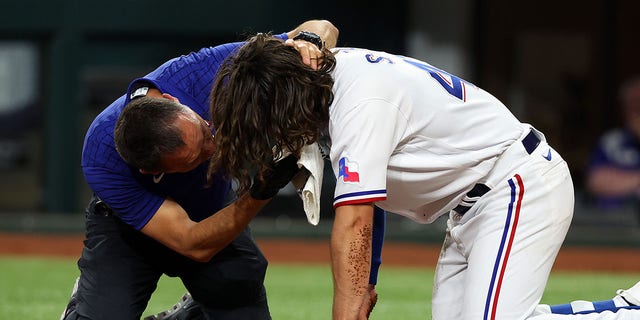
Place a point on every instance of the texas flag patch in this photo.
(348, 170)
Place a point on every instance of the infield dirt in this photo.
(317, 252)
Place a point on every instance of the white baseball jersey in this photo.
(420, 142)
(409, 136)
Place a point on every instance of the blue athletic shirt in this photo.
(135, 197)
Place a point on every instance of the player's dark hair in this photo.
(263, 101)
(145, 131)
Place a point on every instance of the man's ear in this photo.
(170, 97)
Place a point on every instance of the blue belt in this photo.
(98, 207)
(471, 198)
(530, 143)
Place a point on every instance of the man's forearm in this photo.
(608, 181)
(217, 231)
(350, 259)
(201, 240)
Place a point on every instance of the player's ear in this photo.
(170, 97)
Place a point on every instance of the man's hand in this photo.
(370, 300)
(323, 28)
(310, 54)
(279, 177)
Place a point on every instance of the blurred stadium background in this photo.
(556, 64)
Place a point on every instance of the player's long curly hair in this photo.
(266, 101)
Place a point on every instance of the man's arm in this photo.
(323, 28)
(371, 298)
(609, 181)
(200, 241)
(351, 258)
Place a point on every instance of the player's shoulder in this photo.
(367, 65)
(364, 72)
(106, 119)
(98, 141)
(365, 56)
(201, 60)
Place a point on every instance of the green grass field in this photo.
(39, 288)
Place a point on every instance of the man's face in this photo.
(198, 148)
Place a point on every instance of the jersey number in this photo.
(454, 85)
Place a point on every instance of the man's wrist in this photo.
(310, 37)
(260, 192)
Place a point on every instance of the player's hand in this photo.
(275, 180)
(310, 54)
(370, 300)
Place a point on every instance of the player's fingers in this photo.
(307, 56)
(300, 46)
(363, 313)
(314, 63)
(372, 303)
(369, 300)
(310, 54)
(290, 43)
(373, 299)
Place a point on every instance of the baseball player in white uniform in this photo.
(419, 142)
(422, 143)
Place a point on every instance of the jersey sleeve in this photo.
(379, 225)
(133, 204)
(362, 140)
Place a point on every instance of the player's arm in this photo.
(351, 258)
(613, 182)
(200, 241)
(604, 178)
(371, 297)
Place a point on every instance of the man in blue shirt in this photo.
(153, 210)
(613, 173)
